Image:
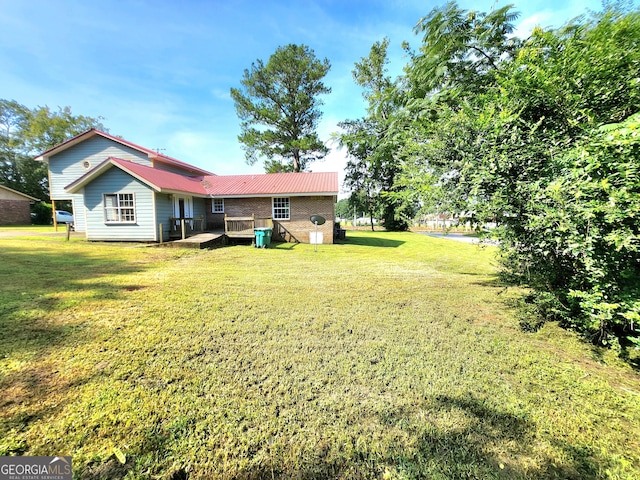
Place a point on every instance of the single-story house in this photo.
(15, 207)
(122, 191)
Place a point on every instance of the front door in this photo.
(183, 208)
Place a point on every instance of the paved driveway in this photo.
(31, 233)
(458, 237)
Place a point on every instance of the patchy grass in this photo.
(393, 356)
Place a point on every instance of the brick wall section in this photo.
(245, 207)
(301, 209)
(297, 228)
(15, 212)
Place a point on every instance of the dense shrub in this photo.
(41, 213)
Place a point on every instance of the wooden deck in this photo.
(200, 241)
(183, 227)
(193, 236)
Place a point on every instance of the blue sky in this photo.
(159, 71)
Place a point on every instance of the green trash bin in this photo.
(259, 233)
(263, 236)
(267, 236)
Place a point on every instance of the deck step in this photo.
(199, 241)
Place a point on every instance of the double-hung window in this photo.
(217, 205)
(119, 208)
(281, 208)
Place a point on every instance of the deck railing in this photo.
(183, 227)
(242, 227)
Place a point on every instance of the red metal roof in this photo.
(302, 183)
(205, 183)
(161, 179)
(159, 157)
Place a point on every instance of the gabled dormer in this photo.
(77, 156)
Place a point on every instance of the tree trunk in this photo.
(296, 161)
(370, 210)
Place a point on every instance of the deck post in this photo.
(53, 211)
(183, 226)
(160, 233)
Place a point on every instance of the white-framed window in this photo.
(119, 208)
(217, 205)
(281, 208)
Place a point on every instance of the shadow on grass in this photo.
(628, 352)
(43, 282)
(469, 451)
(488, 443)
(371, 242)
(284, 245)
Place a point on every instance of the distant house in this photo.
(15, 207)
(122, 191)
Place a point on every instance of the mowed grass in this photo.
(393, 356)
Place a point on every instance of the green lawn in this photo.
(394, 356)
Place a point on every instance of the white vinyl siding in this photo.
(281, 208)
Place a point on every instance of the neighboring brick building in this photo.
(15, 207)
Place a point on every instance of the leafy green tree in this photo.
(461, 50)
(584, 257)
(278, 105)
(569, 188)
(362, 175)
(373, 163)
(25, 133)
(519, 140)
(343, 209)
(13, 118)
(460, 60)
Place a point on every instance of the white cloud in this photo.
(526, 26)
(221, 94)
